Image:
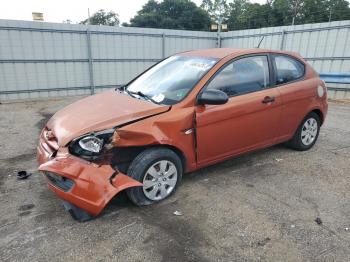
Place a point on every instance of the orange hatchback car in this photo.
(188, 111)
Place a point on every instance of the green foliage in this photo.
(172, 14)
(245, 15)
(238, 14)
(103, 18)
(218, 10)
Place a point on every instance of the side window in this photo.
(242, 76)
(288, 69)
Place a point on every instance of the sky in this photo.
(74, 10)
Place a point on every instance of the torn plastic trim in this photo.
(76, 212)
(93, 186)
(112, 177)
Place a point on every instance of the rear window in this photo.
(288, 69)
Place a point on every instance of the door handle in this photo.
(268, 99)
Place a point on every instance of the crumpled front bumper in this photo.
(93, 185)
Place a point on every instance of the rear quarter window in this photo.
(288, 69)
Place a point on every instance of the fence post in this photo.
(91, 69)
(218, 43)
(282, 40)
(163, 45)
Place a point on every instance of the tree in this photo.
(238, 14)
(102, 18)
(236, 10)
(244, 15)
(256, 16)
(149, 16)
(282, 12)
(317, 11)
(218, 10)
(339, 10)
(313, 11)
(171, 14)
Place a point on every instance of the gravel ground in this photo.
(258, 207)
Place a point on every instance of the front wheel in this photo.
(307, 133)
(160, 171)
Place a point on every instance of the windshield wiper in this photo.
(124, 89)
(128, 92)
(121, 88)
(139, 93)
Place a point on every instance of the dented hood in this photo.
(99, 112)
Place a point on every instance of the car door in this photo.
(296, 94)
(248, 120)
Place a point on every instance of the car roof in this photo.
(223, 52)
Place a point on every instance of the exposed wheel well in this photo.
(123, 156)
(320, 114)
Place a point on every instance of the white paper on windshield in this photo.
(158, 98)
(199, 65)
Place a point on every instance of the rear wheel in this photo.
(307, 133)
(160, 171)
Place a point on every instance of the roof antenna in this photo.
(262, 38)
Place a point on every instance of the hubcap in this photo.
(160, 180)
(309, 131)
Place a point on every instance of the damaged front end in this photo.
(81, 173)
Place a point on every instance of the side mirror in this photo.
(212, 97)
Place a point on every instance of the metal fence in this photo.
(326, 46)
(49, 60)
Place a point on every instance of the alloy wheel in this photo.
(309, 131)
(160, 180)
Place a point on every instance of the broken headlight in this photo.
(91, 143)
(91, 146)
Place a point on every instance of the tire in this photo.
(299, 141)
(148, 167)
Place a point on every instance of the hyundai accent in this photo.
(186, 112)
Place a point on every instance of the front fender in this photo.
(170, 129)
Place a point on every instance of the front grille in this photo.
(61, 182)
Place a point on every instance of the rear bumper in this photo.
(93, 185)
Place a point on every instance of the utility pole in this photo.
(89, 22)
(295, 11)
(219, 31)
(220, 19)
(217, 15)
(91, 61)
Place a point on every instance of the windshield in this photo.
(171, 80)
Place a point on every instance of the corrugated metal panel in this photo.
(324, 45)
(43, 59)
(49, 59)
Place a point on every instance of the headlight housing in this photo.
(90, 146)
(91, 143)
